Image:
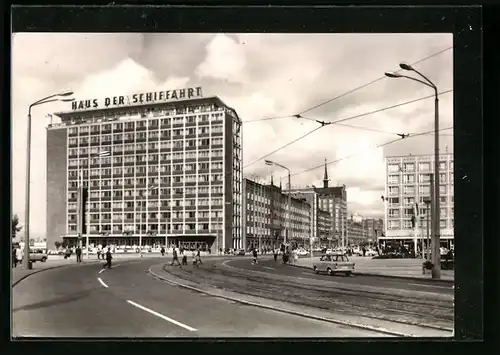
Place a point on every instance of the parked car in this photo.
(241, 252)
(38, 255)
(302, 252)
(370, 252)
(333, 263)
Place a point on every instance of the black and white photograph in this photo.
(205, 185)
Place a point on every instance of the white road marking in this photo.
(422, 285)
(159, 315)
(102, 282)
(102, 270)
(306, 273)
(269, 268)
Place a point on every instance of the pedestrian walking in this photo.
(184, 257)
(195, 259)
(175, 257)
(255, 261)
(14, 257)
(109, 257)
(162, 251)
(275, 255)
(78, 255)
(198, 256)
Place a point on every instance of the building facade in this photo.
(332, 200)
(356, 234)
(373, 228)
(173, 174)
(265, 216)
(407, 188)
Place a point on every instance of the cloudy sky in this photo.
(259, 75)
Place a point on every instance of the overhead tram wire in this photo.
(341, 120)
(412, 135)
(283, 147)
(348, 92)
(372, 82)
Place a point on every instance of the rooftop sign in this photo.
(137, 99)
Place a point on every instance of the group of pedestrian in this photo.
(196, 254)
(17, 256)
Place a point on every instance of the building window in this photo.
(393, 179)
(424, 190)
(409, 167)
(409, 190)
(424, 166)
(394, 213)
(409, 200)
(394, 224)
(407, 224)
(393, 168)
(393, 190)
(392, 201)
(424, 178)
(442, 223)
(442, 178)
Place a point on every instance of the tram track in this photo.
(434, 314)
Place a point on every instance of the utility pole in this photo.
(433, 220)
(422, 236)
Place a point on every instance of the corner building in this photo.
(407, 187)
(190, 151)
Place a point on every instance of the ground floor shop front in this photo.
(422, 244)
(206, 243)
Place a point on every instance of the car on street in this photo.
(38, 255)
(302, 252)
(333, 264)
(241, 252)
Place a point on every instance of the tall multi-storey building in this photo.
(330, 199)
(407, 187)
(265, 216)
(172, 175)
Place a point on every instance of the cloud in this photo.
(225, 60)
(259, 75)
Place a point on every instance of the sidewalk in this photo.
(407, 268)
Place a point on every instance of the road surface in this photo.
(126, 301)
(417, 302)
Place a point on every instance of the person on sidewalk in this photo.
(162, 251)
(14, 257)
(198, 256)
(195, 259)
(78, 255)
(19, 254)
(109, 257)
(174, 257)
(184, 257)
(275, 255)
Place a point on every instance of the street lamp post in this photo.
(269, 162)
(104, 153)
(56, 97)
(150, 188)
(436, 269)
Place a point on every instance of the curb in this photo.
(54, 267)
(411, 278)
(287, 311)
(44, 269)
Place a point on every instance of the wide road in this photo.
(126, 301)
(267, 265)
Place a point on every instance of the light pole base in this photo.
(436, 274)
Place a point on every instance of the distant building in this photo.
(355, 232)
(373, 228)
(332, 200)
(265, 216)
(407, 187)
